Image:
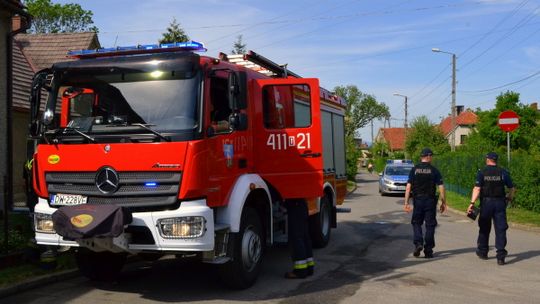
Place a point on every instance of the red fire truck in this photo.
(202, 152)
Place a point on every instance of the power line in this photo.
(429, 83)
(520, 24)
(514, 11)
(504, 85)
(433, 90)
(385, 12)
(512, 47)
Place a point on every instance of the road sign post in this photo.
(508, 122)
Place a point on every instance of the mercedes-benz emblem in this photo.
(107, 180)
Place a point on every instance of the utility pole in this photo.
(405, 125)
(453, 105)
(372, 132)
(453, 135)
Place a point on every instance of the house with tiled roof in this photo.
(393, 137)
(32, 53)
(465, 123)
(8, 10)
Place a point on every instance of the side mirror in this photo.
(239, 121)
(48, 117)
(380, 174)
(237, 90)
(35, 128)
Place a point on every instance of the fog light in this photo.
(43, 223)
(186, 227)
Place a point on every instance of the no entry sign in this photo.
(508, 121)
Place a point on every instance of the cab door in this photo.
(287, 136)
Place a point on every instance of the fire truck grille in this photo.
(134, 189)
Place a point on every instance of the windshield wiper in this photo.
(90, 138)
(147, 127)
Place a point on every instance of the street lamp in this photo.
(406, 126)
(453, 106)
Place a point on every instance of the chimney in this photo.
(18, 22)
(459, 109)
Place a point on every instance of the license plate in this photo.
(400, 187)
(68, 199)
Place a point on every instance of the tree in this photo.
(524, 137)
(425, 134)
(361, 109)
(57, 18)
(238, 46)
(174, 33)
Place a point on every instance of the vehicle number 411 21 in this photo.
(284, 141)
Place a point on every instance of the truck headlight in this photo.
(186, 227)
(43, 223)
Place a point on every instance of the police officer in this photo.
(299, 239)
(422, 183)
(489, 186)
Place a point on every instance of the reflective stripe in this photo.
(302, 264)
(310, 262)
(28, 164)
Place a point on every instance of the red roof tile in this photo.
(465, 118)
(395, 137)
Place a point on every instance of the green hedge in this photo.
(459, 172)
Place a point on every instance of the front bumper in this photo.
(147, 220)
(392, 188)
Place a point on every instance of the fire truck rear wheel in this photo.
(242, 271)
(320, 224)
(100, 266)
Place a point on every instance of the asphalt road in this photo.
(369, 260)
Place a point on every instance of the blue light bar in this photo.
(150, 184)
(140, 49)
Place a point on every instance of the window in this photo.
(219, 105)
(462, 139)
(286, 106)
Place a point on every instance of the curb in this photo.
(510, 224)
(37, 281)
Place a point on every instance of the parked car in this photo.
(393, 179)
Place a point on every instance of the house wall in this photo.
(20, 126)
(5, 28)
(460, 130)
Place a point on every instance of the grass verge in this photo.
(514, 215)
(350, 186)
(13, 275)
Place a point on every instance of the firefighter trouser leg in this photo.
(298, 235)
(424, 211)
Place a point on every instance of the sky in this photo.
(382, 47)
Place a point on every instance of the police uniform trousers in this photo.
(492, 208)
(425, 210)
(299, 238)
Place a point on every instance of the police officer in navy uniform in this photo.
(422, 183)
(299, 239)
(489, 186)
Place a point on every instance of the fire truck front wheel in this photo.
(320, 224)
(99, 266)
(242, 271)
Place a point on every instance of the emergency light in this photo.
(139, 49)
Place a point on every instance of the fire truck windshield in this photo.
(118, 100)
